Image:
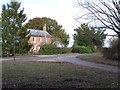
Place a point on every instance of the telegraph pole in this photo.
(14, 48)
(15, 41)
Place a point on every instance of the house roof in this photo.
(40, 33)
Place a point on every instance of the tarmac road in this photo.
(71, 58)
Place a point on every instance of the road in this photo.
(38, 57)
(71, 58)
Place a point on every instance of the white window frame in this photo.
(40, 39)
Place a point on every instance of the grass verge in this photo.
(55, 75)
(97, 58)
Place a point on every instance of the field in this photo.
(55, 75)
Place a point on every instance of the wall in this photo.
(37, 41)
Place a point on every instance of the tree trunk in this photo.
(119, 47)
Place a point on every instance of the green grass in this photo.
(98, 58)
(55, 75)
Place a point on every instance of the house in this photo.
(38, 38)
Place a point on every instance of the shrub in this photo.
(68, 50)
(47, 49)
(51, 49)
(109, 53)
(112, 51)
(82, 49)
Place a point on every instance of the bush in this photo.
(69, 50)
(82, 49)
(51, 49)
(112, 51)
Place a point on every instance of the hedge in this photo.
(82, 49)
(51, 49)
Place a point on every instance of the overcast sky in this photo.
(63, 11)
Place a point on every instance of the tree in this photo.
(13, 30)
(107, 12)
(86, 36)
(58, 34)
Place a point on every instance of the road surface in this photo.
(71, 58)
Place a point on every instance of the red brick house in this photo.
(39, 38)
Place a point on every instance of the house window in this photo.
(34, 39)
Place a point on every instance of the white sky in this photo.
(63, 11)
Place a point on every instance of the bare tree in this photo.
(105, 11)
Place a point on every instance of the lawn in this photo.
(55, 75)
(98, 58)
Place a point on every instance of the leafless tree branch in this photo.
(108, 15)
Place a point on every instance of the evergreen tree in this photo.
(14, 32)
(86, 36)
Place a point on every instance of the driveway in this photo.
(71, 58)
